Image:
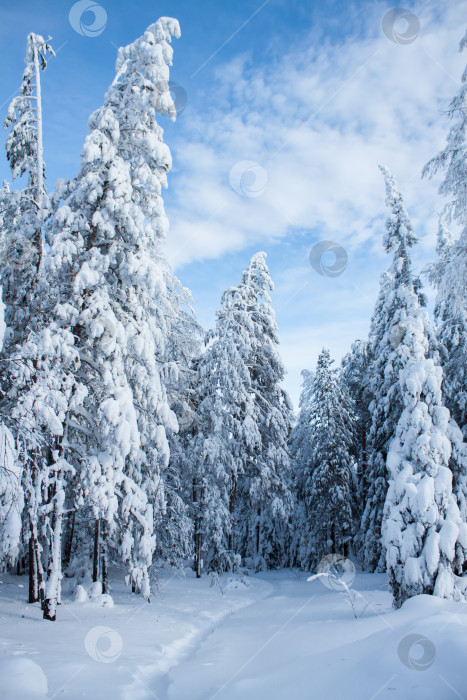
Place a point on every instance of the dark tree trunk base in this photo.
(47, 607)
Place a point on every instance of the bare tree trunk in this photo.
(197, 558)
(104, 558)
(258, 532)
(40, 156)
(232, 502)
(69, 534)
(36, 574)
(33, 577)
(198, 548)
(40, 570)
(96, 554)
(52, 596)
(53, 582)
(105, 572)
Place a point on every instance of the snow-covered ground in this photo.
(271, 635)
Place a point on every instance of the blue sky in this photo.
(315, 94)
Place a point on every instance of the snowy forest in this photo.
(133, 441)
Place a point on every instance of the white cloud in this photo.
(319, 119)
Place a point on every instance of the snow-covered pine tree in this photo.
(141, 87)
(355, 383)
(227, 438)
(450, 271)
(450, 320)
(44, 378)
(423, 533)
(325, 477)
(398, 298)
(24, 212)
(299, 442)
(174, 531)
(11, 499)
(263, 496)
(299, 448)
(11, 490)
(105, 244)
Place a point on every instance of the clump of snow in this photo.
(80, 595)
(95, 589)
(105, 600)
(22, 679)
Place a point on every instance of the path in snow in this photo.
(272, 636)
(303, 641)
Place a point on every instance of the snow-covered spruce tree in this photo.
(227, 440)
(299, 448)
(326, 478)
(409, 425)
(299, 441)
(355, 383)
(11, 499)
(11, 491)
(23, 212)
(423, 532)
(174, 531)
(44, 376)
(306, 397)
(399, 298)
(264, 501)
(105, 242)
(450, 271)
(22, 217)
(450, 319)
(140, 88)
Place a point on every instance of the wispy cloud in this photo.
(319, 119)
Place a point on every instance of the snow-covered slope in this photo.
(271, 635)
